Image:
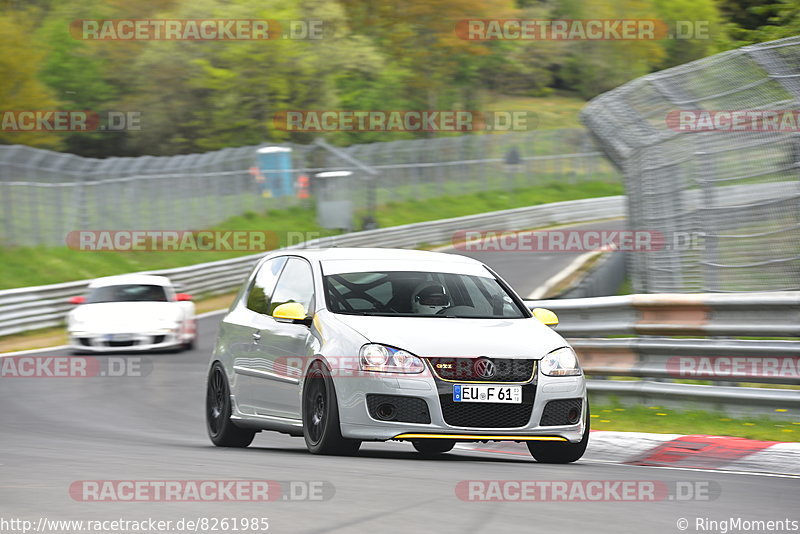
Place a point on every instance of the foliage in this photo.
(196, 96)
(21, 86)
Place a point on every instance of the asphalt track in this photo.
(55, 431)
(526, 270)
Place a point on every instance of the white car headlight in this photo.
(383, 359)
(168, 329)
(77, 326)
(560, 362)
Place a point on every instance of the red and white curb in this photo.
(677, 450)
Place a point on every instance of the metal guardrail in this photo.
(32, 308)
(771, 314)
(724, 399)
(741, 360)
(723, 361)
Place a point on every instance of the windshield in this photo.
(428, 294)
(127, 293)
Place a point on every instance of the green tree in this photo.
(593, 67)
(419, 35)
(696, 12)
(20, 86)
(782, 20)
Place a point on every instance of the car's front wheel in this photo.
(559, 452)
(221, 430)
(321, 428)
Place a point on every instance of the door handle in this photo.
(256, 336)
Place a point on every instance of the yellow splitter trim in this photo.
(480, 437)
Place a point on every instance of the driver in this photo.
(429, 299)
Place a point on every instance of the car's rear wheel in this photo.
(559, 452)
(222, 431)
(431, 447)
(321, 428)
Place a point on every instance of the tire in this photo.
(561, 453)
(321, 428)
(432, 447)
(222, 431)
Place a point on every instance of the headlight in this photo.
(170, 330)
(75, 326)
(560, 362)
(383, 359)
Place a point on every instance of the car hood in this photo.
(125, 316)
(453, 337)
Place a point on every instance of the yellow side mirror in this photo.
(290, 311)
(545, 316)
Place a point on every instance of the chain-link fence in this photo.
(44, 195)
(690, 171)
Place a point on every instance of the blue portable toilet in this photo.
(275, 165)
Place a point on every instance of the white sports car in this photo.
(131, 313)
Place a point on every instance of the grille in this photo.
(406, 409)
(85, 341)
(487, 415)
(506, 369)
(158, 339)
(121, 343)
(555, 413)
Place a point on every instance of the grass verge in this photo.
(659, 419)
(552, 112)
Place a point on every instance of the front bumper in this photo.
(125, 342)
(357, 423)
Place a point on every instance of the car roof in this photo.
(122, 279)
(353, 253)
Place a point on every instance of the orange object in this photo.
(303, 183)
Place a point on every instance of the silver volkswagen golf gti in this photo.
(342, 346)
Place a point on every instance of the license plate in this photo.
(119, 337)
(482, 393)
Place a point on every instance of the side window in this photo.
(258, 299)
(295, 285)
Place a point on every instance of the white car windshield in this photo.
(428, 294)
(127, 293)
